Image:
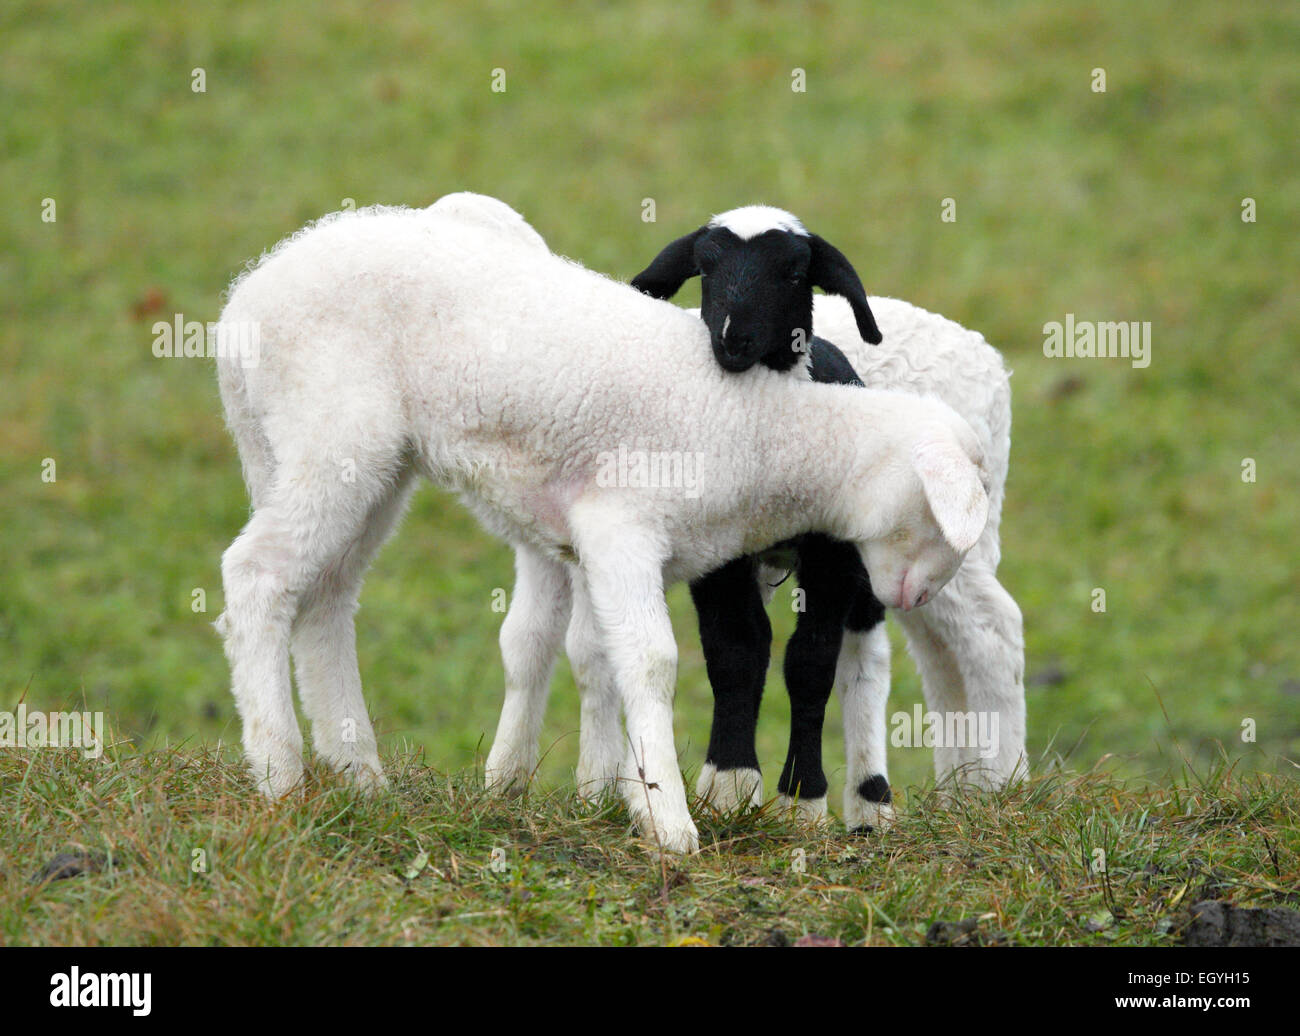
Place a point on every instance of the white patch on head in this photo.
(752, 220)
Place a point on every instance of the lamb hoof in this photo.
(729, 791)
(368, 778)
(869, 806)
(594, 790)
(679, 838)
(279, 775)
(506, 781)
(804, 812)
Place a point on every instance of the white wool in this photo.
(752, 220)
(489, 213)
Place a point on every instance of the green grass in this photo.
(1123, 205)
(188, 857)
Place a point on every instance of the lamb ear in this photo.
(671, 268)
(954, 489)
(833, 273)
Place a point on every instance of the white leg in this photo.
(530, 640)
(941, 680)
(600, 741)
(969, 647)
(862, 679)
(325, 652)
(255, 624)
(624, 578)
(993, 662)
(309, 522)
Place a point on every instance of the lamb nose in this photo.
(921, 598)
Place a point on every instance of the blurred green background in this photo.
(1122, 205)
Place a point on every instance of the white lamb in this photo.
(398, 342)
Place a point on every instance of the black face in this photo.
(756, 297)
(757, 293)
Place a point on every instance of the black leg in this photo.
(865, 614)
(827, 574)
(737, 640)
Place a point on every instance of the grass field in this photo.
(1122, 205)
(177, 852)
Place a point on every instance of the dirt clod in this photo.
(1214, 923)
(966, 932)
(70, 865)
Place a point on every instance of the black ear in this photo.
(671, 268)
(832, 272)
